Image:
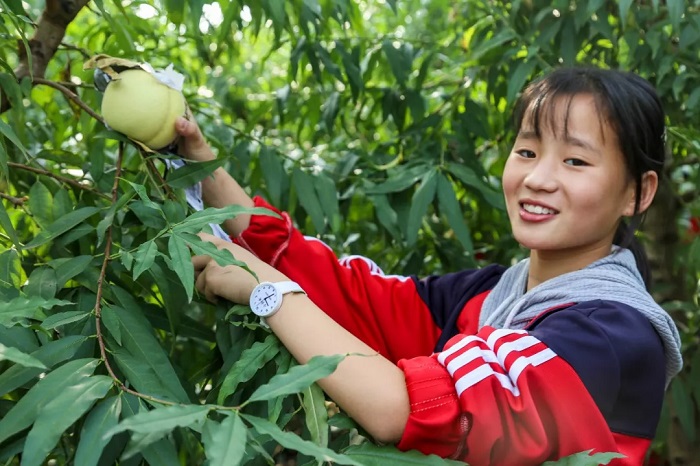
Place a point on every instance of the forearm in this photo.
(220, 190)
(370, 388)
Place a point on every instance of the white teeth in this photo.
(538, 209)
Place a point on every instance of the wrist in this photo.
(267, 297)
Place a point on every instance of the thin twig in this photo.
(85, 53)
(16, 201)
(159, 178)
(62, 179)
(71, 95)
(100, 288)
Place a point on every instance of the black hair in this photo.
(626, 102)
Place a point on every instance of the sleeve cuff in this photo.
(436, 424)
(267, 237)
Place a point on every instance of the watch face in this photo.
(265, 299)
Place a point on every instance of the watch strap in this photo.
(289, 287)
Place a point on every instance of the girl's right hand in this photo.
(192, 144)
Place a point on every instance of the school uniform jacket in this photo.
(581, 376)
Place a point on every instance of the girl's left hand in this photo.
(231, 282)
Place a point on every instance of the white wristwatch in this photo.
(266, 298)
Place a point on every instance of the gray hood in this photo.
(614, 278)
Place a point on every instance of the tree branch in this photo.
(16, 201)
(71, 95)
(49, 33)
(62, 179)
(100, 288)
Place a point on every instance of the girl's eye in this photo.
(575, 162)
(528, 154)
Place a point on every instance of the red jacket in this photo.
(581, 376)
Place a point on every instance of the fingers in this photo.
(200, 262)
(192, 144)
(185, 127)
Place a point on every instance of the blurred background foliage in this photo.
(381, 126)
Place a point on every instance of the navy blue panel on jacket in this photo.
(618, 355)
(446, 295)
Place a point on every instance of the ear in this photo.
(650, 182)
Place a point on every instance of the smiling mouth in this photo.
(537, 209)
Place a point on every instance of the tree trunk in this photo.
(48, 35)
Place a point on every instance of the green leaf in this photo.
(40, 204)
(162, 419)
(22, 338)
(504, 35)
(276, 11)
(9, 133)
(193, 172)
(447, 200)
(471, 179)
(329, 110)
(420, 202)
(127, 259)
(63, 318)
(145, 255)
(13, 354)
(11, 272)
(195, 222)
(69, 268)
(304, 186)
(624, 9)
(694, 376)
(374, 455)
(273, 173)
(62, 225)
(156, 450)
(328, 196)
(683, 407)
(25, 412)
(174, 211)
(251, 360)
(111, 321)
(176, 10)
(401, 181)
(675, 13)
(6, 225)
(225, 442)
(62, 203)
(148, 212)
(101, 419)
(386, 215)
(160, 453)
(59, 414)
(26, 308)
(294, 442)
(42, 283)
(400, 60)
(181, 260)
(142, 358)
(519, 77)
(584, 458)
(298, 378)
(316, 414)
(8, 83)
(223, 257)
(49, 354)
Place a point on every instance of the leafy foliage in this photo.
(380, 127)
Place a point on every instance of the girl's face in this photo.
(566, 191)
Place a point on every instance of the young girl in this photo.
(564, 352)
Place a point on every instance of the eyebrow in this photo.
(531, 135)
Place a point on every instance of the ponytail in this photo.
(625, 238)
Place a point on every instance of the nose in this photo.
(542, 175)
